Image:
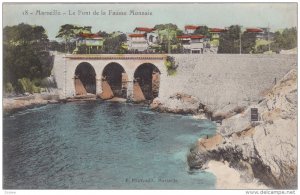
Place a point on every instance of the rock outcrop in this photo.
(24, 102)
(266, 149)
(178, 103)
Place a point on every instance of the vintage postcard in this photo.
(172, 96)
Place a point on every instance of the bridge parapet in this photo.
(118, 56)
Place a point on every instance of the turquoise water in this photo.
(101, 145)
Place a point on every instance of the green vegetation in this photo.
(248, 42)
(170, 65)
(26, 85)
(285, 40)
(262, 46)
(167, 35)
(25, 57)
(68, 33)
(114, 43)
(204, 30)
(9, 88)
(229, 40)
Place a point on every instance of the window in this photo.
(151, 38)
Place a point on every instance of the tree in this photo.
(68, 33)
(25, 53)
(113, 44)
(285, 40)
(248, 40)
(229, 40)
(56, 46)
(232, 39)
(166, 26)
(203, 30)
(103, 34)
(167, 35)
(24, 34)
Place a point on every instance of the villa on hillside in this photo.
(198, 43)
(192, 43)
(215, 36)
(142, 39)
(261, 33)
(88, 43)
(190, 29)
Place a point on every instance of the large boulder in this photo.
(179, 103)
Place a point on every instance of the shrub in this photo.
(170, 65)
(9, 88)
(26, 85)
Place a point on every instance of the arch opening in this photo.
(85, 79)
(146, 82)
(114, 81)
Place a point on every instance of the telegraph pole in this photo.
(169, 49)
(269, 37)
(240, 40)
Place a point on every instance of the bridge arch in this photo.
(146, 82)
(85, 79)
(114, 81)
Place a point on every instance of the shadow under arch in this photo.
(114, 81)
(146, 82)
(85, 79)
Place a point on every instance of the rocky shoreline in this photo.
(15, 104)
(264, 150)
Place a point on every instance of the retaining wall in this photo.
(222, 79)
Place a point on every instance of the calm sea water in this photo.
(101, 145)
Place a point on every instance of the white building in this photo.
(142, 39)
(192, 43)
(137, 42)
(92, 43)
(190, 29)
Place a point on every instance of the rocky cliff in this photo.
(266, 149)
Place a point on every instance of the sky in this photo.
(276, 15)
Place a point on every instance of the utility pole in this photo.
(169, 49)
(240, 40)
(269, 37)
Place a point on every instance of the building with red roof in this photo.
(215, 36)
(89, 36)
(261, 33)
(254, 30)
(89, 42)
(136, 35)
(266, 34)
(192, 43)
(141, 39)
(143, 30)
(216, 30)
(190, 29)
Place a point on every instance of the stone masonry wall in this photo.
(222, 79)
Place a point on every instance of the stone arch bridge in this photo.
(134, 77)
